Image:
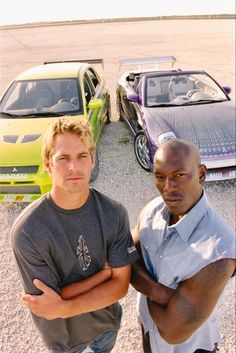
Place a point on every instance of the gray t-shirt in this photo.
(62, 246)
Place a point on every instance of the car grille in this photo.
(19, 169)
(34, 189)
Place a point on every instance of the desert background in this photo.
(207, 44)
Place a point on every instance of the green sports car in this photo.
(32, 100)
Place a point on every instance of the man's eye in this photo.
(82, 156)
(159, 178)
(179, 175)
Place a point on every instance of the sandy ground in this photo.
(207, 44)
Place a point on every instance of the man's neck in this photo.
(69, 201)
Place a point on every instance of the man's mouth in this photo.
(74, 177)
(172, 200)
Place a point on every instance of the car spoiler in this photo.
(88, 61)
(151, 60)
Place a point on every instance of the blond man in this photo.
(63, 243)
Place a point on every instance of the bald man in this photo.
(188, 256)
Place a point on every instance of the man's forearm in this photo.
(192, 303)
(51, 305)
(173, 330)
(145, 284)
(97, 298)
(72, 290)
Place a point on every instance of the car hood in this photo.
(210, 126)
(21, 140)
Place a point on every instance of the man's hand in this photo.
(142, 281)
(48, 304)
(51, 306)
(161, 294)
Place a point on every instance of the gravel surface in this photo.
(196, 44)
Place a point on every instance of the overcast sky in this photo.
(26, 11)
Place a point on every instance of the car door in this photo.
(95, 93)
(129, 108)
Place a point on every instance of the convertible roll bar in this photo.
(150, 60)
(88, 61)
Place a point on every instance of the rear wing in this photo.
(88, 61)
(151, 60)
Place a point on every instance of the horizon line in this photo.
(118, 19)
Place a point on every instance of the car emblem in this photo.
(14, 170)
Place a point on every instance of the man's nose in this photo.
(73, 164)
(170, 184)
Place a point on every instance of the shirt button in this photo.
(161, 256)
(163, 275)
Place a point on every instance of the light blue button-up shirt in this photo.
(175, 253)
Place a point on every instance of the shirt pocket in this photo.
(149, 255)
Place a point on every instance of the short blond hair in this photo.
(67, 124)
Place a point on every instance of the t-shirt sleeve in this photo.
(122, 250)
(31, 264)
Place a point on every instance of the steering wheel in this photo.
(75, 101)
(191, 92)
(63, 100)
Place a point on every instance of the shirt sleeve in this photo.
(31, 265)
(122, 250)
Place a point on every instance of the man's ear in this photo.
(94, 156)
(47, 166)
(202, 173)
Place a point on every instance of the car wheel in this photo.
(95, 170)
(141, 150)
(108, 119)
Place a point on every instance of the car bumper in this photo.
(221, 174)
(24, 187)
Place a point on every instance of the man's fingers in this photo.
(40, 285)
(27, 298)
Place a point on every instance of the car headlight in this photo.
(165, 137)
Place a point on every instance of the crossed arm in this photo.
(179, 313)
(93, 293)
(192, 303)
(142, 281)
(72, 290)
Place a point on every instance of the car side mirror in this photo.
(95, 104)
(227, 90)
(133, 97)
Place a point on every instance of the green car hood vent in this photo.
(30, 138)
(10, 138)
(25, 139)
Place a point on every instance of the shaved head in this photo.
(179, 175)
(178, 149)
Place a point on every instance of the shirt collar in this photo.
(188, 222)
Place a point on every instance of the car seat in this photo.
(180, 86)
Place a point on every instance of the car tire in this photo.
(95, 170)
(141, 150)
(108, 119)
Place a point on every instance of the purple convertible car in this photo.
(164, 104)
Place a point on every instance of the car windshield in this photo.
(42, 98)
(182, 89)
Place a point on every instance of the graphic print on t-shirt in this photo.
(83, 254)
